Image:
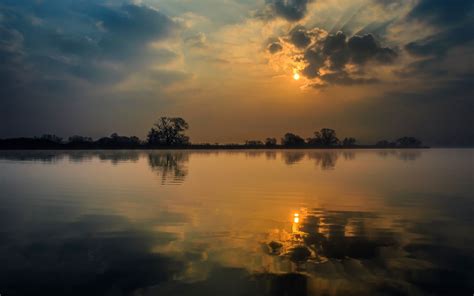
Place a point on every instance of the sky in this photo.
(370, 69)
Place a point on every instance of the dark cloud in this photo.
(454, 31)
(343, 78)
(335, 47)
(439, 44)
(54, 55)
(299, 37)
(79, 40)
(364, 48)
(435, 50)
(333, 52)
(442, 12)
(274, 47)
(334, 43)
(315, 59)
(291, 10)
(389, 4)
(140, 25)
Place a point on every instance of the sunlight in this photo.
(296, 76)
(296, 218)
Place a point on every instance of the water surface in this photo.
(299, 222)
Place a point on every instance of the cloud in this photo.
(131, 24)
(198, 40)
(327, 59)
(274, 47)
(291, 10)
(364, 48)
(343, 78)
(168, 77)
(299, 37)
(434, 53)
(439, 44)
(87, 41)
(441, 12)
(65, 56)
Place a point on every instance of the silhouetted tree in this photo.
(79, 140)
(408, 142)
(325, 137)
(253, 143)
(270, 142)
(348, 142)
(169, 131)
(51, 138)
(116, 141)
(290, 139)
(384, 143)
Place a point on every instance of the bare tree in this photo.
(325, 137)
(169, 131)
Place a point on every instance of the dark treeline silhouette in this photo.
(327, 138)
(169, 132)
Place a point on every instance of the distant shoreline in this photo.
(169, 133)
(215, 147)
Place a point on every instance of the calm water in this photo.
(309, 222)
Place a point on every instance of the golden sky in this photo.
(371, 69)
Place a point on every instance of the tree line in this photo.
(170, 132)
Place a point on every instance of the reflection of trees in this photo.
(386, 153)
(408, 155)
(114, 156)
(170, 165)
(292, 157)
(325, 159)
(348, 155)
(271, 155)
(34, 156)
(402, 154)
(119, 156)
(253, 153)
(80, 156)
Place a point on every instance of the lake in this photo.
(254, 222)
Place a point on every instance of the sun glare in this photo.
(296, 76)
(296, 218)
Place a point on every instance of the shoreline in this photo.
(213, 147)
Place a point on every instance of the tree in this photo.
(408, 142)
(253, 143)
(325, 137)
(117, 141)
(79, 140)
(270, 142)
(290, 139)
(52, 138)
(169, 131)
(384, 143)
(348, 142)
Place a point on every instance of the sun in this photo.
(296, 76)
